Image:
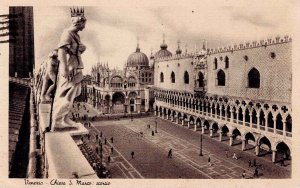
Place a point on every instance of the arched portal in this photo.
(249, 141)
(264, 145)
(283, 152)
(236, 136)
(118, 100)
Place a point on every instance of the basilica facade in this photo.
(121, 91)
(240, 93)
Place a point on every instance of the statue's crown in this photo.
(77, 12)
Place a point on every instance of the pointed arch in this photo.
(172, 77)
(161, 77)
(200, 79)
(186, 77)
(221, 78)
(254, 78)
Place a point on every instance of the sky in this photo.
(111, 31)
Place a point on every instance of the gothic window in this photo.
(200, 79)
(186, 77)
(172, 77)
(221, 78)
(226, 62)
(161, 77)
(216, 63)
(253, 78)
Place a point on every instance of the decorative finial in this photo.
(204, 46)
(138, 45)
(163, 38)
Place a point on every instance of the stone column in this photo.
(284, 127)
(177, 122)
(230, 140)
(250, 120)
(202, 129)
(167, 116)
(258, 121)
(195, 127)
(231, 115)
(243, 145)
(273, 156)
(188, 124)
(182, 122)
(257, 150)
(155, 113)
(266, 124)
(210, 132)
(244, 115)
(172, 118)
(220, 136)
(274, 120)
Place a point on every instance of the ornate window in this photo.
(216, 63)
(172, 77)
(221, 78)
(226, 62)
(186, 77)
(253, 78)
(161, 77)
(200, 79)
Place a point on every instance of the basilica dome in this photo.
(163, 52)
(137, 58)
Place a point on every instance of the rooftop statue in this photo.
(70, 74)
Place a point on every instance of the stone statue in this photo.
(49, 77)
(70, 74)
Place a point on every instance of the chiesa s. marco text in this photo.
(204, 113)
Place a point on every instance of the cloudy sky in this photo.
(111, 31)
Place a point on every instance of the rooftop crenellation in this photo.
(234, 47)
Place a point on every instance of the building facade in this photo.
(241, 93)
(122, 91)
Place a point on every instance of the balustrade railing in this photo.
(288, 134)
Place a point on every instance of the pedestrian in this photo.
(209, 161)
(112, 139)
(132, 155)
(226, 153)
(234, 156)
(255, 172)
(170, 153)
(152, 133)
(254, 162)
(88, 136)
(96, 137)
(250, 164)
(105, 141)
(112, 150)
(108, 159)
(97, 150)
(101, 134)
(244, 174)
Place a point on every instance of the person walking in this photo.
(244, 174)
(226, 153)
(105, 141)
(132, 155)
(250, 164)
(170, 153)
(152, 133)
(255, 173)
(209, 161)
(254, 162)
(112, 139)
(234, 156)
(112, 150)
(101, 134)
(108, 159)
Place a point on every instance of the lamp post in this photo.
(101, 153)
(200, 145)
(155, 124)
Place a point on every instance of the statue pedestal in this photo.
(44, 117)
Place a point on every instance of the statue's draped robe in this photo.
(68, 88)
